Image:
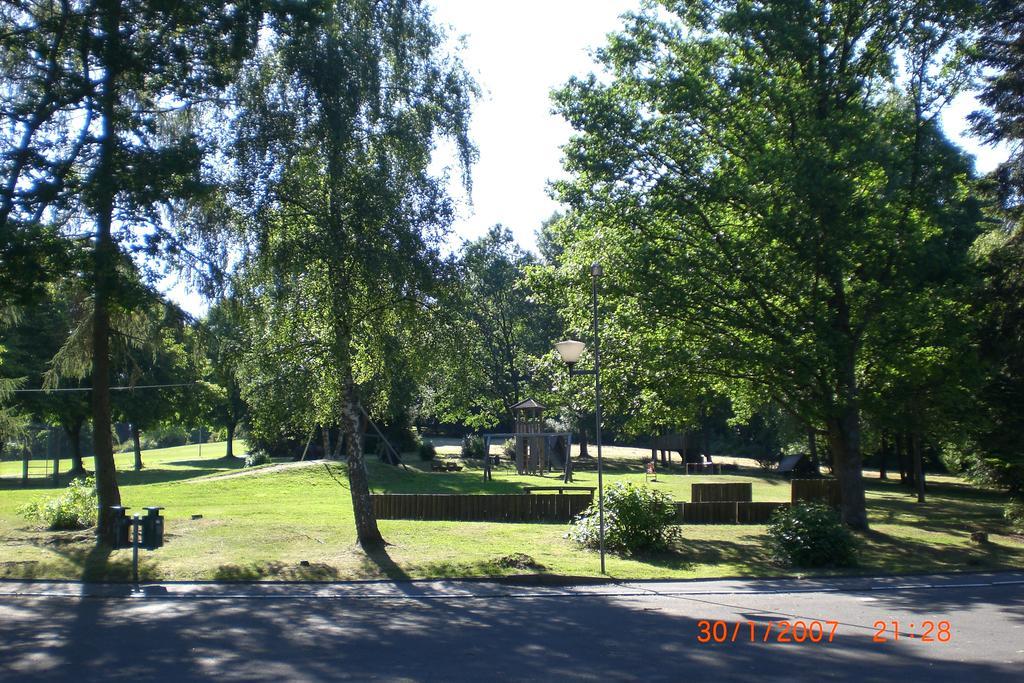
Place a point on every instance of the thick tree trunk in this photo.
(74, 433)
(104, 280)
(907, 460)
(137, 447)
(883, 458)
(107, 491)
(812, 448)
(367, 533)
(583, 444)
(844, 443)
(325, 441)
(339, 442)
(705, 436)
(105, 259)
(230, 453)
(901, 457)
(915, 440)
(843, 427)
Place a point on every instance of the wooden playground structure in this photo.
(537, 451)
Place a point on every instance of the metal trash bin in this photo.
(122, 524)
(152, 529)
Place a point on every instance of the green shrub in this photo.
(73, 509)
(427, 451)
(810, 535)
(1014, 513)
(257, 458)
(636, 519)
(508, 450)
(473, 447)
(165, 436)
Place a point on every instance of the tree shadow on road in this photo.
(493, 635)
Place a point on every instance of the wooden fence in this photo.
(712, 504)
(819, 490)
(716, 493)
(499, 507)
(726, 512)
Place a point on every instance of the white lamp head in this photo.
(570, 350)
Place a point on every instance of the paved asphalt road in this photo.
(481, 631)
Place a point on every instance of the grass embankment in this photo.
(296, 524)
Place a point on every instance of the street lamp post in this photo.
(570, 351)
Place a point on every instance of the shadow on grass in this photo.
(225, 463)
(93, 561)
(516, 564)
(377, 561)
(949, 507)
(416, 481)
(276, 571)
(40, 482)
(128, 477)
(744, 559)
(158, 476)
(898, 554)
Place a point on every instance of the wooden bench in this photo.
(560, 489)
(445, 467)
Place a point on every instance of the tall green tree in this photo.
(225, 337)
(999, 454)
(12, 420)
(32, 343)
(104, 135)
(44, 81)
(739, 178)
(340, 114)
(1000, 50)
(500, 330)
(161, 373)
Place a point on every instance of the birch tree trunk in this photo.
(367, 533)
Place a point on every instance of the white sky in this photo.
(518, 52)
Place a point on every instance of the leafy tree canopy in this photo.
(764, 187)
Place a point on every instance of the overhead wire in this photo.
(127, 388)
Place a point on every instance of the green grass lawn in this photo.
(296, 524)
